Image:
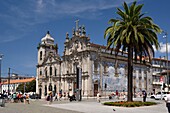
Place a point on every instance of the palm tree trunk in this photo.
(130, 74)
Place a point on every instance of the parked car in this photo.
(35, 96)
(158, 95)
(153, 96)
(2, 100)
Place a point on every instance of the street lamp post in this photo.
(161, 79)
(1, 55)
(8, 81)
(165, 36)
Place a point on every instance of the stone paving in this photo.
(84, 106)
(94, 107)
(36, 106)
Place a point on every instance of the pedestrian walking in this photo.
(64, 95)
(51, 97)
(98, 97)
(27, 99)
(117, 94)
(56, 97)
(144, 96)
(48, 99)
(60, 94)
(124, 97)
(167, 100)
(68, 95)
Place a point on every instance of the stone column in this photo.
(149, 81)
(43, 89)
(83, 86)
(86, 88)
(137, 80)
(90, 72)
(37, 81)
(64, 87)
(143, 81)
(101, 78)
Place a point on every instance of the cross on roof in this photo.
(77, 24)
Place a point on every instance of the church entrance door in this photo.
(95, 89)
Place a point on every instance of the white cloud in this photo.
(163, 47)
(72, 7)
(154, 48)
(39, 5)
(22, 16)
(34, 12)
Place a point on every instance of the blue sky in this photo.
(24, 22)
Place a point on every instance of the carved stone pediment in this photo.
(51, 58)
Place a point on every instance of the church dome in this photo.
(47, 38)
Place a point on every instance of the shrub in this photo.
(129, 104)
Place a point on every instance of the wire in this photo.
(14, 71)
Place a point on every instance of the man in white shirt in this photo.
(98, 97)
(167, 100)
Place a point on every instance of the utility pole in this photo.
(24, 87)
(0, 73)
(8, 81)
(165, 36)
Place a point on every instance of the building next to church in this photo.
(10, 84)
(100, 71)
(160, 75)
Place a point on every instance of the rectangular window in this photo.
(55, 72)
(46, 74)
(95, 66)
(50, 70)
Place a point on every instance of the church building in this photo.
(85, 66)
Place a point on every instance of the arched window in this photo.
(40, 55)
(40, 92)
(40, 72)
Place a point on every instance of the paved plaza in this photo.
(84, 106)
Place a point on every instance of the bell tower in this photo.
(48, 67)
(45, 47)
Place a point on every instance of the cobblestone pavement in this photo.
(35, 106)
(91, 106)
(84, 106)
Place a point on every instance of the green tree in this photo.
(20, 88)
(29, 87)
(133, 33)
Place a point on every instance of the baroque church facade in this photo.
(100, 71)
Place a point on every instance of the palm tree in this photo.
(133, 33)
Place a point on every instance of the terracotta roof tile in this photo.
(19, 81)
